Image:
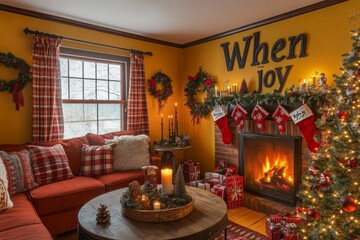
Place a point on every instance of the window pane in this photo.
(114, 90)
(73, 112)
(64, 88)
(89, 89)
(102, 90)
(102, 71)
(106, 126)
(76, 129)
(64, 67)
(89, 69)
(75, 68)
(90, 112)
(114, 72)
(76, 88)
(109, 111)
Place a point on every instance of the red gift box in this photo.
(290, 232)
(288, 217)
(219, 190)
(273, 230)
(191, 170)
(234, 191)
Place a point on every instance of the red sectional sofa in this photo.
(53, 208)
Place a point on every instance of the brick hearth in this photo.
(229, 153)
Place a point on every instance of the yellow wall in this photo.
(16, 126)
(328, 36)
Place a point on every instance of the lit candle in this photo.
(176, 121)
(157, 205)
(169, 127)
(215, 91)
(143, 197)
(162, 127)
(228, 89)
(166, 180)
(172, 125)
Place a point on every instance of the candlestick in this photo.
(166, 180)
(216, 92)
(169, 128)
(172, 125)
(176, 121)
(157, 205)
(162, 128)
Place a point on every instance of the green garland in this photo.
(161, 94)
(24, 76)
(206, 84)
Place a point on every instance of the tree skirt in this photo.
(235, 231)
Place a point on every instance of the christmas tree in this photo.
(179, 186)
(330, 188)
(243, 88)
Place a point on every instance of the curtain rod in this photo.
(29, 32)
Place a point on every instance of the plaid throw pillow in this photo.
(19, 171)
(96, 160)
(50, 164)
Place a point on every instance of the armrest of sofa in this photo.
(156, 161)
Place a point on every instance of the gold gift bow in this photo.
(235, 192)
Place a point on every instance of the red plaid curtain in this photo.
(137, 114)
(47, 109)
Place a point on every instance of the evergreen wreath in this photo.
(16, 85)
(161, 94)
(201, 82)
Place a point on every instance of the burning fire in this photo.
(275, 174)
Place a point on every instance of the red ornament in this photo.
(342, 115)
(348, 203)
(312, 213)
(351, 163)
(357, 73)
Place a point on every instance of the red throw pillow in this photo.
(19, 171)
(50, 164)
(96, 160)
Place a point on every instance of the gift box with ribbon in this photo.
(234, 191)
(273, 230)
(191, 170)
(287, 217)
(219, 190)
(290, 232)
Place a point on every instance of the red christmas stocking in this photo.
(220, 118)
(303, 117)
(239, 115)
(280, 116)
(259, 114)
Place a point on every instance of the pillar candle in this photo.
(166, 180)
(215, 91)
(157, 205)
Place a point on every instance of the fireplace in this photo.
(271, 165)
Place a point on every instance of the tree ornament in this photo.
(179, 186)
(342, 114)
(239, 114)
(199, 110)
(313, 169)
(312, 214)
(351, 163)
(323, 183)
(161, 94)
(16, 85)
(280, 116)
(348, 203)
(357, 73)
(259, 114)
(243, 88)
(103, 215)
(220, 118)
(303, 117)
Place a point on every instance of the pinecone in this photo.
(103, 215)
(145, 203)
(134, 190)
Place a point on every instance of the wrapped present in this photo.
(290, 232)
(201, 185)
(207, 187)
(191, 170)
(234, 191)
(150, 174)
(288, 217)
(273, 230)
(208, 175)
(219, 190)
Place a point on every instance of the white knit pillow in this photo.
(5, 201)
(131, 152)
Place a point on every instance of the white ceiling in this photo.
(176, 21)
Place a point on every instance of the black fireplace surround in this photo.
(271, 165)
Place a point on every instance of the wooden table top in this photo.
(208, 219)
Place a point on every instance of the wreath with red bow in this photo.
(161, 94)
(201, 82)
(16, 85)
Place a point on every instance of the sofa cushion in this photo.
(23, 211)
(65, 195)
(96, 140)
(13, 147)
(19, 171)
(118, 180)
(72, 148)
(5, 201)
(34, 231)
(50, 164)
(131, 152)
(97, 160)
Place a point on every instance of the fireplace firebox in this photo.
(271, 165)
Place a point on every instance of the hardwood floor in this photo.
(242, 216)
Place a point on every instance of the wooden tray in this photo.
(163, 215)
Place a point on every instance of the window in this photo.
(94, 92)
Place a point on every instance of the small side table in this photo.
(168, 157)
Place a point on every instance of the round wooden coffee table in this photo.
(208, 219)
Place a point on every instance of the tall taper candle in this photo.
(176, 122)
(172, 125)
(169, 128)
(162, 128)
(166, 180)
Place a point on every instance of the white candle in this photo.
(157, 205)
(166, 180)
(215, 91)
